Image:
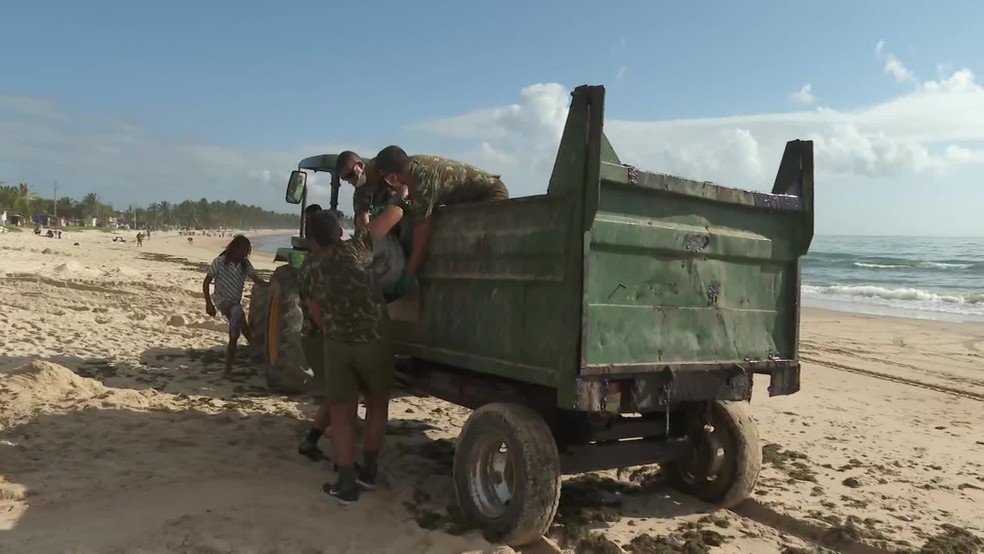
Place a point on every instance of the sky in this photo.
(141, 101)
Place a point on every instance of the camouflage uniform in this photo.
(437, 181)
(371, 193)
(358, 353)
(312, 343)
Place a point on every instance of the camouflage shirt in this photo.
(437, 181)
(309, 328)
(340, 282)
(369, 194)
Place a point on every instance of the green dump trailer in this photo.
(617, 320)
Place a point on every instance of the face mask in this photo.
(360, 180)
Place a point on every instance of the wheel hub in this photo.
(706, 454)
(492, 477)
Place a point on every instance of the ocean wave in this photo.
(880, 266)
(910, 294)
(945, 265)
(917, 265)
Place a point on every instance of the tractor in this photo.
(275, 312)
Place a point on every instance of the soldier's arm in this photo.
(309, 290)
(423, 200)
(360, 207)
(361, 220)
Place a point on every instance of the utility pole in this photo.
(56, 200)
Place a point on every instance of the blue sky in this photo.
(183, 99)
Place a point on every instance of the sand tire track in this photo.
(896, 379)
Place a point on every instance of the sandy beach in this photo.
(120, 434)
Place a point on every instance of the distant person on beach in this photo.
(230, 271)
(344, 301)
(139, 239)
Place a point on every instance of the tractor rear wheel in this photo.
(259, 311)
(287, 371)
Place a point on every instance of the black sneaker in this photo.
(366, 480)
(344, 496)
(311, 451)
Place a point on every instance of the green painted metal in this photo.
(292, 256)
(296, 257)
(321, 162)
(614, 270)
(282, 255)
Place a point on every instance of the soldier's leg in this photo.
(313, 347)
(342, 395)
(374, 363)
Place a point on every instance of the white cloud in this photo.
(804, 95)
(932, 133)
(128, 164)
(620, 74)
(28, 106)
(928, 131)
(893, 66)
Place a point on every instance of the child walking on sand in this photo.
(230, 271)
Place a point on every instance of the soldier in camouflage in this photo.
(373, 200)
(369, 186)
(434, 181)
(312, 345)
(341, 294)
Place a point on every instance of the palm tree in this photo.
(24, 196)
(90, 205)
(9, 196)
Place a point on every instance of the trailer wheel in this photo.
(724, 458)
(507, 473)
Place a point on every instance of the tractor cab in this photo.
(297, 193)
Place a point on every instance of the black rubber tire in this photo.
(742, 459)
(536, 463)
(286, 369)
(259, 311)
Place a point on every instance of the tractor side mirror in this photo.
(295, 186)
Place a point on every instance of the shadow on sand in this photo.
(122, 468)
(103, 472)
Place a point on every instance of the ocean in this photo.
(938, 278)
(924, 277)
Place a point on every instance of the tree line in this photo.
(21, 199)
